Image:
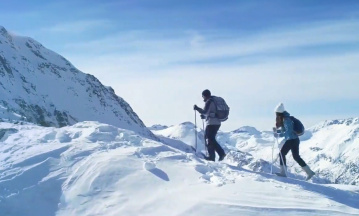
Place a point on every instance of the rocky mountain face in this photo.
(39, 86)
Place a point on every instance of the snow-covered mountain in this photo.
(157, 127)
(92, 168)
(331, 148)
(96, 157)
(40, 86)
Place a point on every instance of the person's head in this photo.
(206, 94)
(279, 111)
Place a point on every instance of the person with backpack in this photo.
(291, 128)
(213, 123)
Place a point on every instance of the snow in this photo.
(330, 148)
(106, 162)
(157, 127)
(42, 87)
(92, 168)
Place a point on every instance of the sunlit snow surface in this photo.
(97, 169)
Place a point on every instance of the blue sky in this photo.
(159, 55)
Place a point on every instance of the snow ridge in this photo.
(37, 85)
(330, 149)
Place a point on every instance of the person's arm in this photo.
(206, 108)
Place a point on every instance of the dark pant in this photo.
(292, 145)
(212, 144)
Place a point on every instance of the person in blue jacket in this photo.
(291, 141)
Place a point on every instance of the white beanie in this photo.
(280, 108)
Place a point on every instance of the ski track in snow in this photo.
(97, 169)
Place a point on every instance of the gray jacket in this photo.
(209, 112)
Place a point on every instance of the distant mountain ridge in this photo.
(331, 148)
(39, 86)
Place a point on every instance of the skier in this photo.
(212, 126)
(291, 141)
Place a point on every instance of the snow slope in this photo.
(331, 148)
(40, 86)
(92, 168)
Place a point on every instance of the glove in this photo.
(203, 116)
(195, 107)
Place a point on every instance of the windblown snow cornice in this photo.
(38, 85)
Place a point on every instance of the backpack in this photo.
(298, 126)
(222, 109)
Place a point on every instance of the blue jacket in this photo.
(287, 130)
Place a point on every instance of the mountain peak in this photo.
(336, 122)
(247, 129)
(44, 88)
(158, 127)
(190, 124)
(4, 32)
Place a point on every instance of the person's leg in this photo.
(284, 151)
(295, 153)
(210, 144)
(218, 147)
(300, 161)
